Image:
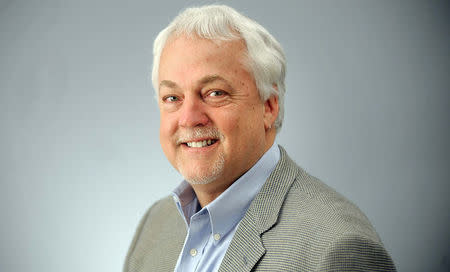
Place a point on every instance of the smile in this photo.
(201, 143)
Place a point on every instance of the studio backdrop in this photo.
(367, 112)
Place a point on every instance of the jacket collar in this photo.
(246, 248)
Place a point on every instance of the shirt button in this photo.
(193, 252)
(217, 237)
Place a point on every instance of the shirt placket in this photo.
(197, 238)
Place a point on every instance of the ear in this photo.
(270, 111)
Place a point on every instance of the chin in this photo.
(203, 180)
(205, 174)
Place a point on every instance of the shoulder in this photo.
(318, 228)
(160, 217)
(158, 238)
(164, 207)
(312, 200)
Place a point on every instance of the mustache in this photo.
(191, 134)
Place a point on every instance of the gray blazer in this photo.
(295, 223)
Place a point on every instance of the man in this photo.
(244, 204)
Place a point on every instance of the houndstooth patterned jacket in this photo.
(295, 223)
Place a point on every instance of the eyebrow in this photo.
(203, 81)
(168, 84)
(212, 78)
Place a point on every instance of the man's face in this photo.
(212, 117)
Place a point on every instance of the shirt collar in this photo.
(230, 206)
(186, 200)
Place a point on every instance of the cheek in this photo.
(228, 121)
(252, 126)
(165, 139)
(167, 128)
(167, 123)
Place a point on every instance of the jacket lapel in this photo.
(246, 248)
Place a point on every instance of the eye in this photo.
(216, 93)
(170, 98)
(217, 97)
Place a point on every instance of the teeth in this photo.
(201, 143)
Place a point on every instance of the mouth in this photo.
(200, 143)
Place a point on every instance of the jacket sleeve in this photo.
(126, 265)
(353, 252)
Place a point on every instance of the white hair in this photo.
(266, 58)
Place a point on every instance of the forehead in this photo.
(189, 58)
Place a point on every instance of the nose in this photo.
(193, 113)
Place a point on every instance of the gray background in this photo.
(367, 111)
